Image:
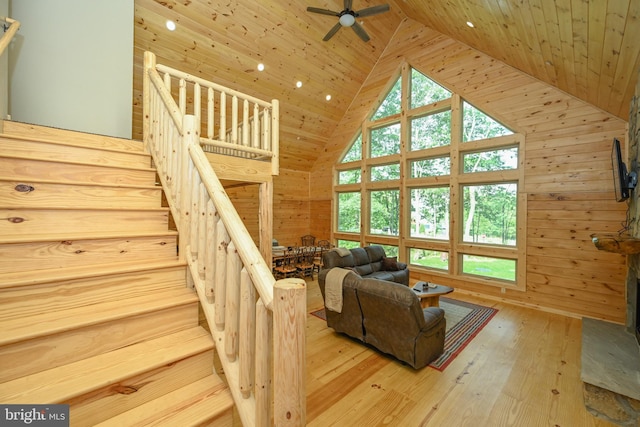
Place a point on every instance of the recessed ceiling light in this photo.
(298, 83)
(171, 26)
(328, 97)
(470, 24)
(261, 67)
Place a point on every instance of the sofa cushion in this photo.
(366, 262)
(390, 264)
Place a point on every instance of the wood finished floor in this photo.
(522, 369)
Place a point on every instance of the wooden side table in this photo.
(430, 297)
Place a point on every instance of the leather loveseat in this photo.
(387, 316)
(369, 262)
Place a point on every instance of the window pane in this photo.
(388, 249)
(490, 213)
(385, 140)
(431, 167)
(477, 125)
(385, 172)
(349, 244)
(355, 152)
(431, 259)
(425, 91)
(496, 160)
(385, 212)
(496, 268)
(392, 103)
(349, 212)
(351, 176)
(431, 131)
(430, 213)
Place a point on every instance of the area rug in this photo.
(464, 321)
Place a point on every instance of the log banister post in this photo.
(289, 323)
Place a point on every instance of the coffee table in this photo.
(430, 297)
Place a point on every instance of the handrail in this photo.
(9, 32)
(257, 323)
(244, 127)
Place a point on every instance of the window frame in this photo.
(455, 247)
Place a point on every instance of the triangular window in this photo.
(477, 125)
(425, 91)
(392, 102)
(355, 152)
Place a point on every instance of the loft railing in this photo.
(10, 28)
(232, 123)
(258, 324)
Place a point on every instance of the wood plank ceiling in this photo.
(588, 49)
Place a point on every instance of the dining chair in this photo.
(308, 240)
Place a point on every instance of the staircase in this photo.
(94, 307)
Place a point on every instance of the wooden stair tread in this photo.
(194, 404)
(61, 384)
(18, 327)
(71, 162)
(30, 130)
(98, 235)
(79, 183)
(53, 141)
(26, 278)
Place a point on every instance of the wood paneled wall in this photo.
(291, 207)
(568, 178)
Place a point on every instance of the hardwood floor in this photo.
(522, 369)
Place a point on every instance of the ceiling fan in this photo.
(347, 18)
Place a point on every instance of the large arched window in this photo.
(437, 182)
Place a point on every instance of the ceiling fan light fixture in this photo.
(347, 20)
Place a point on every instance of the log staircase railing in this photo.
(258, 324)
(10, 31)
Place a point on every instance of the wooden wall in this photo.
(291, 207)
(568, 177)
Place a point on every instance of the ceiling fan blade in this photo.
(374, 10)
(348, 4)
(322, 11)
(360, 32)
(332, 32)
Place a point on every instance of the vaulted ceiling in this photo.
(588, 49)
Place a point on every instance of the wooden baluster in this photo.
(264, 328)
(209, 272)
(202, 228)
(248, 330)
(194, 185)
(222, 134)
(182, 96)
(197, 105)
(234, 120)
(222, 239)
(211, 109)
(255, 134)
(232, 308)
(245, 123)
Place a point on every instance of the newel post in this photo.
(289, 322)
(149, 63)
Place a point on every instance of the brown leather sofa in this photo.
(388, 316)
(368, 262)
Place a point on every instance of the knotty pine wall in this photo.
(291, 207)
(568, 177)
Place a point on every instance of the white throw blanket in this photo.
(333, 288)
(342, 251)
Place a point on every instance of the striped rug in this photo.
(464, 321)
